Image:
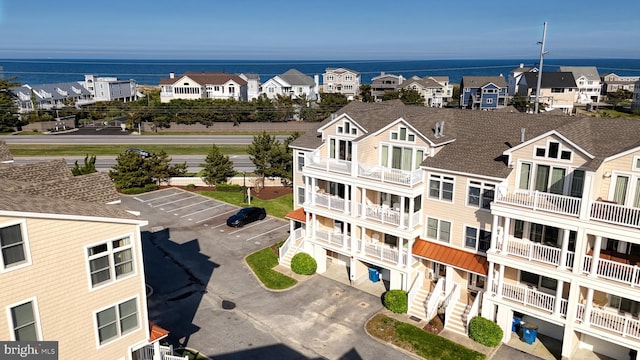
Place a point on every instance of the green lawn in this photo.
(80, 150)
(277, 207)
(615, 113)
(262, 263)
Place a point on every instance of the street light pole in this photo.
(542, 54)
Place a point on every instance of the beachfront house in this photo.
(483, 92)
(557, 90)
(514, 78)
(342, 81)
(292, 83)
(613, 82)
(203, 85)
(511, 216)
(587, 81)
(110, 88)
(384, 83)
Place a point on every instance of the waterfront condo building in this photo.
(499, 214)
(71, 265)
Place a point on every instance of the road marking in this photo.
(171, 202)
(190, 205)
(217, 226)
(162, 197)
(278, 228)
(137, 198)
(250, 226)
(213, 217)
(199, 211)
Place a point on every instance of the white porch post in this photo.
(505, 235)
(490, 277)
(595, 259)
(412, 206)
(558, 300)
(564, 249)
(156, 350)
(314, 185)
(494, 234)
(586, 317)
(399, 245)
(315, 228)
(500, 280)
(363, 202)
(402, 213)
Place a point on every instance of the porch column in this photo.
(412, 206)
(505, 235)
(402, 213)
(315, 228)
(308, 224)
(564, 249)
(347, 199)
(586, 317)
(363, 234)
(595, 258)
(156, 350)
(557, 305)
(494, 234)
(585, 201)
(500, 280)
(399, 245)
(363, 202)
(314, 192)
(410, 252)
(490, 277)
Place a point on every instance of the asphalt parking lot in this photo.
(195, 263)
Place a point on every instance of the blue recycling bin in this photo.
(529, 333)
(374, 275)
(515, 324)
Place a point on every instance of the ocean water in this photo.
(149, 72)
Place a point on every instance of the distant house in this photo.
(557, 89)
(431, 90)
(483, 92)
(514, 78)
(612, 82)
(203, 85)
(292, 83)
(447, 87)
(253, 85)
(110, 88)
(587, 81)
(51, 96)
(635, 100)
(341, 80)
(385, 83)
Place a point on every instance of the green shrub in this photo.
(133, 191)
(396, 301)
(151, 187)
(485, 331)
(303, 264)
(228, 187)
(190, 186)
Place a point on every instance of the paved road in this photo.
(105, 163)
(137, 140)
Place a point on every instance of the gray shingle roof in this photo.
(590, 72)
(295, 77)
(480, 81)
(206, 78)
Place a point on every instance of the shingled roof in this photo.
(206, 78)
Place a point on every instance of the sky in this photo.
(317, 30)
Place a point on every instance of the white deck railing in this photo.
(166, 353)
(613, 270)
(331, 202)
(615, 214)
(538, 252)
(529, 297)
(623, 325)
(331, 238)
(434, 299)
(291, 240)
(539, 201)
(388, 175)
(327, 164)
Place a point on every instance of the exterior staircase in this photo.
(457, 321)
(286, 259)
(418, 307)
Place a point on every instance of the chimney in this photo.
(172, 75)
(522, 131)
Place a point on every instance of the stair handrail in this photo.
(416, 285)
(474, 310)
(449, 302)
(434, 299)
(282, 251)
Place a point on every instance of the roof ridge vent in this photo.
(438, 131)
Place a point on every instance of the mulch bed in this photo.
(267, 193)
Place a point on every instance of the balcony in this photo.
(328, 164)
(386, 215)
(616, 269)
(615, 214)
(533, 251)
(377, 251)
(388, 175)
(620, 324)
(539, 201)
(331, 202)
(531, 297)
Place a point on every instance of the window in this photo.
(557, 90)
(553, 151)
(441, 187)
(636, 163)
(624, 304)
(403, 134)
(480, 194)
(24, 324)
(489, 101)
(477, 239)
(300, 195)
(117, 320)
(110, 260)
(439, 230)
(300, 162)
(13, 246)
(538, 280)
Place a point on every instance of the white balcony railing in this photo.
(529, 297)
(615, 214)
(331, 238)
(291, 240)
(614, 270)
(538, 252)
(388, 175)
(331, 202)
(621, 324)
(165, 353)
(327, 164)
(539, 201)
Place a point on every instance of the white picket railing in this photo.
(415, 287)
(528, 297)
(536, 200)
(284, 249)
(615, 214)
(389, 175)
(537, 251)
(331, 238)
(313, 161)
(331, 202)
(611, 321)
(613, 270)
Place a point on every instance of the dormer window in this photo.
(403, 134)
(553, 151)
(347, 128)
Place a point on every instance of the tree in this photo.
(88, 167)
(261, 152)
(158, 167)
(9, 120)
(365, 93)
(520, 102)
(614, 98)
(282, 159)
(217, 168)
(130, 171)
(390, 95)
(411, 97)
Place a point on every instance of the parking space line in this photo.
(171, 202)
(278, 228)
(217, 226)
(199, 211)
(250, 226)
(190, 205)
(162, 197)
(213, 217)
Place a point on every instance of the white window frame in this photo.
(442, 179)
(631, 187)
(395, 135)
(36, 316)
(538, 286)
(484, 187)
(112, 268)
(438, 230)
(636, 163)
(477, 238)
(301, 193)
(120, 334)
(300, 163)
(25, 247)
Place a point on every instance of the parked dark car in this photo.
(246, 215)
(143, 153)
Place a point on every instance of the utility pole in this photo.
(542, 54)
